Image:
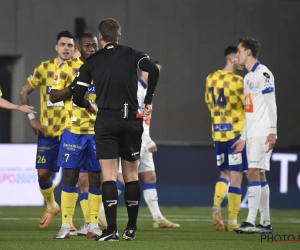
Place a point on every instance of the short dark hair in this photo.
(252, 44)
(230, 50)
(110, 30)
(86, 35)
(64, 34)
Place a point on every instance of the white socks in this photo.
(150, 196)
(264, 206)
(254, 195)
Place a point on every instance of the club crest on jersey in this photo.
(56, 79)
(251, 85)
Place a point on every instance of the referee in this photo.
(118, 128)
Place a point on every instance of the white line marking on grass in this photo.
(146, 217)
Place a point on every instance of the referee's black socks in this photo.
(132, 197)
(110, 202)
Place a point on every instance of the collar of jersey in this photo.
(255, 66)
(143, 83)
(79, 59)
(109, 44)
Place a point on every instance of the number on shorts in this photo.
(221, 101)
(41, 159)
(66, 157)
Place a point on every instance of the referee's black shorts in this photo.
(117, 137)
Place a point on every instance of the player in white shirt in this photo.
(260, 134)
(146, 166)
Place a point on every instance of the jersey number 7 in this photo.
(221, 100)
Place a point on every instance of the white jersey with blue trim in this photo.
(258, 82)
(141, 93)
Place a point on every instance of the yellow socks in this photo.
(47, 191)
(94, 201)
(69, 197)
(220, 191)
(84, 203)
(234, 202)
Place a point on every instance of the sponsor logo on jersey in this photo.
(248, 103)
(56, 79)
(48, 90)
(50, 74)
(222, 127)
(57, 104)
(266, 75)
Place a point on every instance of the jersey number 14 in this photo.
(221, 100)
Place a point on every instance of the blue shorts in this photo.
(47, 151)
(78, 152)
(225, 158)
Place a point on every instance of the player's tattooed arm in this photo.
(24, 93)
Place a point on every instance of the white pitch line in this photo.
(143, 218)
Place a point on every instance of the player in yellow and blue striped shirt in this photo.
(77, 150)
(51, 124)
(225, 100)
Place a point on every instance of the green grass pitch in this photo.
(19, 231)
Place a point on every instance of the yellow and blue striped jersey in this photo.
(77, 121)
(52, 114)
(224, 95)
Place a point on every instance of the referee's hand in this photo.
(146, 111)
(92, 109)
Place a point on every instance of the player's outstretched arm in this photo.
(23, 108)
(59, 95)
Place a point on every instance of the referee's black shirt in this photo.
(113, 70)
